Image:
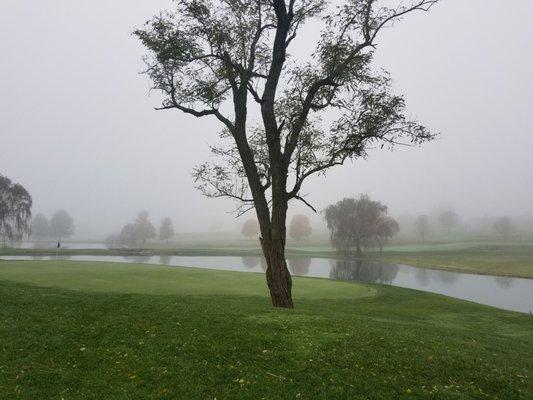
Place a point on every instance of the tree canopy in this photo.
(166, 230)
(250, 228)
(503, 226)
(300, 227)
(40, 227)
(15, 210)
(61, 225)
(359, 222)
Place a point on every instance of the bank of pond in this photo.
(508, 293)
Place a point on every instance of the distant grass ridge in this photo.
(111, 331)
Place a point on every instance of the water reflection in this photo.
(138, 259)
(299, 266)
(165, 260)
(250, 261)
(448, 278)
(363, 270)
(422, 277)
(504, 282)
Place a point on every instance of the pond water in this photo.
(51, 244)
(504, 292)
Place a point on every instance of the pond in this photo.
(504, 292)
(51, 244)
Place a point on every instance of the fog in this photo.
(78, 127)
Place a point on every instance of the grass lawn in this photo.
(505, 260)
(80, 330)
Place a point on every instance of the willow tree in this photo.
(221, 58)
(15, 210)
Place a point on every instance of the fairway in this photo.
(80, 330)
(112, 277)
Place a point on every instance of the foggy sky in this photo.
(79, 131)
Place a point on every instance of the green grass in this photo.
(504, 260)
(111, 331)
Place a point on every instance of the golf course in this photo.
(82, 330)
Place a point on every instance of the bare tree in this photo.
(217, 58)
(503, 226)
(300, 227)
(15, 210)
(166, 230)
(422, 226)
(250, 228)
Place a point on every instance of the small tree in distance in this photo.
(250, 228)
(300, 227)
(40, 227)
(61, 225)
(166, 230)
(422, 226)
(357, 223)
(503, 226)
(145, 228)
(448, 220)
(129, 235)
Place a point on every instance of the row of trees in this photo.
(299, 228)
(15, 210)
(60, 226)
(140, 231)
(359, 223)
(449, 220)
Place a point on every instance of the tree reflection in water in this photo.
(165, 260)
(448, 278)
(504, 282)
(250, 261)
(139, 259)
(299, 266)
(363, 270)
(422, 276)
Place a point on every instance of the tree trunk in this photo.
(278, 277)
(273, 239)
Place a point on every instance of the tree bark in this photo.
(273, 240)
(278, 277)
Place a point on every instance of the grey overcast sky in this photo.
(78, 128)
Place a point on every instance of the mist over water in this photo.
(80, 133)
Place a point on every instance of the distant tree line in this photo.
(448, 221)
(140, 231)
(299, 228)
(60, 226)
